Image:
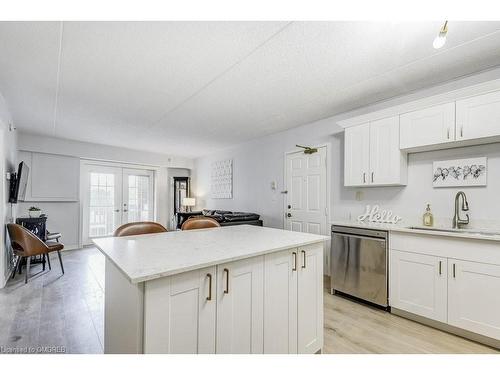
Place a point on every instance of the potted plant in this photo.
(34, 211)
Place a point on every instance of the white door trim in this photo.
(328, 184)
(103, 163)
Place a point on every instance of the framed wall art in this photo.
(461, 172)
(221, 183)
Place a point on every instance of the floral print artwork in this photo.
(460, 172)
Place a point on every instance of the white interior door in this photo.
(137, 195)
(306, 209)
(113, 196)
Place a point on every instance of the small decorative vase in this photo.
(34, 213)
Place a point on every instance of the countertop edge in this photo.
(405, 229)
(140, 279)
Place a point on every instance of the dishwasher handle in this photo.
(358, 236)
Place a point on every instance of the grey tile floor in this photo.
(55, 312)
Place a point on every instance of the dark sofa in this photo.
(224, 218)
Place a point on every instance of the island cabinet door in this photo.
(310, 299)
(418, 284)
(180, 313)
(474, 297)
(280, 302)
(240, 306)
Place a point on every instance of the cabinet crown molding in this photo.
(422, 103)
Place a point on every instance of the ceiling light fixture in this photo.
(441, 38)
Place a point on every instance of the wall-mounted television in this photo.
(18, 182)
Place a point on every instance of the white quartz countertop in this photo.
(470, 233)
(151, 256)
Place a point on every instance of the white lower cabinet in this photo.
(473, 297)
(418, 284)
(293, 302)
(180, 312)
(463, 292)
(240, 306)
(310, 300)
(280, 301)
(266, 304)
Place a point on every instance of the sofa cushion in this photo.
(241, 216)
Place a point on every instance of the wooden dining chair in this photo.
(140, 227)
(25, 245)
(200, 223)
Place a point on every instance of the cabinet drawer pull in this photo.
(209, 298)
(364, 178)
(448, 133)
(372, 176)
(226, 271)
(462, 131)
(440, 264)
(454, 271)
(294, 266)
(303, 258)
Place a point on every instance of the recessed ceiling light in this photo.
(441, 38)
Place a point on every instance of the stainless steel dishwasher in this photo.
(359, 263)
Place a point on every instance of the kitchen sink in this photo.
(465, 231)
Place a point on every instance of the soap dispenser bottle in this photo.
(428, 217)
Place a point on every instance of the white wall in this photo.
(64, 217)
(37, 143)
(8, 152)
(257, 163)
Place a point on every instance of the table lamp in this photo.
(188, 203)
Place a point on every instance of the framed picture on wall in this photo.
(221, 183)
(461, 172)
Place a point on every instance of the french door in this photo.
(113, 196)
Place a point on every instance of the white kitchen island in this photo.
(235, 289)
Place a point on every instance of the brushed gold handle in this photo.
(440, 265)
(294, 267)
(209, 298)
(454, 271)
(303, 258)
(226, 271)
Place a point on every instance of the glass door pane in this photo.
(102, 201)
(102, 221)
(137, 195)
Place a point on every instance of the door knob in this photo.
(289, 206)
(289, 214)
(117, 210)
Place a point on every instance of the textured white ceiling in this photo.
(190, 88)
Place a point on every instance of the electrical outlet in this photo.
(360, 195)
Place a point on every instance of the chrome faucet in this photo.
(457, 222)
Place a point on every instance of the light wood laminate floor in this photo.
(65, 313)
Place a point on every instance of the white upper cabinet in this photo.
(357, 155)
(478, 116)
(463, 117)
(429, 126)
(387, 163)
(372, 154)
